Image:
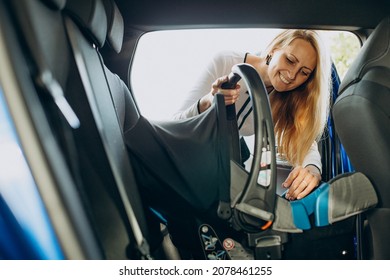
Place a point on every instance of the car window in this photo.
(167, 63)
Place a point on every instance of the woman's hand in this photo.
(301, 181)
(230, 95)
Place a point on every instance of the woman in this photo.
(295, 69)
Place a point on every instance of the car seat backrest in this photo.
(48, 64)
(100, 24)
(362, 120)
(115, 28)
(124, 102)
(98, 167)
(362, 113)
(91, 16)
(84, 28)
(374, 53)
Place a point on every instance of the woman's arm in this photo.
(201, 96)
(313, 157)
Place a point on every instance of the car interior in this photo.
(116, 185)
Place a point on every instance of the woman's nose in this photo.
(292, 73)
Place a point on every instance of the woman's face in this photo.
(291, 66)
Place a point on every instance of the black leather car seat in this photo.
(362, 119)
(101, 194)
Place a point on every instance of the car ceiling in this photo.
(148, 15)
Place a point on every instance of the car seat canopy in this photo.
(189, 157)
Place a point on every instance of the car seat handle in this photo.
(260, 194)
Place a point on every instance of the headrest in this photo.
(115, 26)
(55, 4)
(90, 16)
(374, 53)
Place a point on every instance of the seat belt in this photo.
(142, 245)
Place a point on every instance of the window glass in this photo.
(167, 63)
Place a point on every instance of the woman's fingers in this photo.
(216, 86)
(300, 183)
(230, 95)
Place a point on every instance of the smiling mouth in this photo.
(284, 80)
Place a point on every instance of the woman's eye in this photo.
(289, 60)
(305, 73)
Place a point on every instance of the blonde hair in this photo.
(300, 115)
